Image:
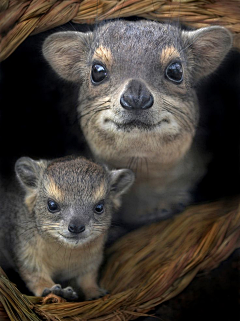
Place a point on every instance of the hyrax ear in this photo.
(206, 47)
(121, 181)
(28, 172)
(66, 52)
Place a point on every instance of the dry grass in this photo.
(19, 19)
(144, 268)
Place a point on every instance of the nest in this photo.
(144, 268)
(19, 19)
(154, 263)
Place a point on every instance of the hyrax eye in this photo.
(99, 208)
(174, 72)
(53, 207)
(99, 73)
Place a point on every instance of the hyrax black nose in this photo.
(136, 96)
(75, 228)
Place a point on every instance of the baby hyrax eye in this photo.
(99, 73)
(99, 208)
(53, 206)
(174, 72)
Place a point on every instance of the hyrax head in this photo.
(71, 199)
(137, 84)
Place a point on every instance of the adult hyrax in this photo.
(138, 106)
(56, 228)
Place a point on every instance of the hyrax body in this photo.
(57, 227)
(138, 106)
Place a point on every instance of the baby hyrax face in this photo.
(71, 199)
(137, 85)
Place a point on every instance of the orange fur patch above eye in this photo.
(30, 200)
(167, 54)
(54, 191)
(104, 54)
(99, 192)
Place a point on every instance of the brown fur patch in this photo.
(37, 283)
(30, 200)
(99, 192)
(53, 190)
(168, 53)
(104, 54)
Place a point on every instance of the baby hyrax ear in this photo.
(206, 47)
(121, 181)
(66, 52)
(28, 172)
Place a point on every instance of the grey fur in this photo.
(38, 243)
(158, 143)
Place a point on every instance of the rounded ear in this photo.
(67, 52)
(206, 48)
(28, 171)
(121, 181)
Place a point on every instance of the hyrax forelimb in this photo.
(56, 228)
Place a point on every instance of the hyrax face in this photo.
(137, 79)
(71, 200)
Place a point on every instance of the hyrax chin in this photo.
(57, 229)
(138, 106)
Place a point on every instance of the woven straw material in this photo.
(19, 19)
(144, 268)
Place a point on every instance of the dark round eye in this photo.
(99, 208)
(53, 207)
(174, 72)
(99, 73)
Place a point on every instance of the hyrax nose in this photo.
(76, 228)
(136, 96)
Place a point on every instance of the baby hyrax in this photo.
(57, 228)
(138, 105)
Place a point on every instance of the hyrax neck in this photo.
(151, 166)
(54, 258)
(146, 168)
(156, 173)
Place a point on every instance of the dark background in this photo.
(37, 109)
(38, 119)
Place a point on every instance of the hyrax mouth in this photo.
(73, 238)
(136, 124)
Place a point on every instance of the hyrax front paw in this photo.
(67, 293)
(95, 293)
(169, 207)
(164, 210)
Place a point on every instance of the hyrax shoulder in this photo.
(58, 229)
(137, 103)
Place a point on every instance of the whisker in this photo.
(92, 111)
(186, 121)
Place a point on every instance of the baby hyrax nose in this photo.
(76, 228)
(136, 96)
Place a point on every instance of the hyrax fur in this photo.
(138, 106)
(57, 228)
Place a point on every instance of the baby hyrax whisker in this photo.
(55, 222)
